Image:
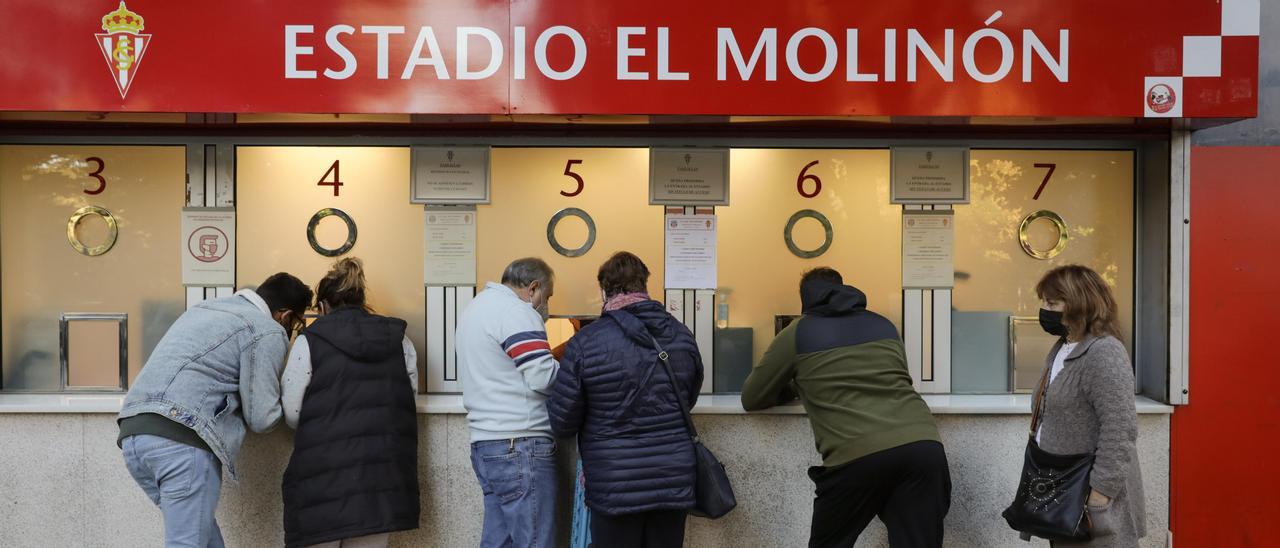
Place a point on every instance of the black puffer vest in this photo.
(354, 469)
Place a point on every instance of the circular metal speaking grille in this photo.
(1025, 240)
(826, 228)
(113, 230)
(571, 212)
(315, 221)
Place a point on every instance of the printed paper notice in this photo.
(209, 246)
(451, 246)
(928, 260)
(691, 252)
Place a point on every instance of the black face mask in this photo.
(1051, 323)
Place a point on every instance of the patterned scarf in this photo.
(623, 300)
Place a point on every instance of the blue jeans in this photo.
(518, 478)
(184, 481)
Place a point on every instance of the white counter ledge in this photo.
(451, 404)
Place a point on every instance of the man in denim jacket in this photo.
(216, 370)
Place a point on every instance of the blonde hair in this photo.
(1088, 305)
(344, 285)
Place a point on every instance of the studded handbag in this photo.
(1053, 491)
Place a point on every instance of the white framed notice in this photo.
(451, 245)
(208, 246)
(690, 252)
(929, 175)
(689, 176)
(928, 258)
(450, 175)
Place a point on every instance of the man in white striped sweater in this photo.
(505, 366)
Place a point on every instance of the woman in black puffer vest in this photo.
(349, 387)
(611, 391)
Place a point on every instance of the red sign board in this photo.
(1177, 58)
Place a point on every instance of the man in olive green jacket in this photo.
(881, 454)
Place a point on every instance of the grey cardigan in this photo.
(1089, 408)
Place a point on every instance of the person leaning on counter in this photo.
(881, 453)
(214, 373)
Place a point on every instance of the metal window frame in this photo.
(1179, 290)
(221, 170)
(64, 357)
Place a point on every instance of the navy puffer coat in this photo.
(614, 394)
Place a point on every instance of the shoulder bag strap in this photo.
(1037, 403)
(671, 376)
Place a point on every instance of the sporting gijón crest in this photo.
(123, 44)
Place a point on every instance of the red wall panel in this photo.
(1225, 444)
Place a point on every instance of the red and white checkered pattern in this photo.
(1214, 68)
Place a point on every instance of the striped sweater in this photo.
(505, 366)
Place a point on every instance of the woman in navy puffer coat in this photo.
(614, 394)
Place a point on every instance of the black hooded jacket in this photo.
(354, 469)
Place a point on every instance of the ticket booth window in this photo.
(608, 186)
(89, 276)
(759, 274)
(1033, 210)
(280, 190)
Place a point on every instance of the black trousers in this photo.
(908, 487)
(655, 529)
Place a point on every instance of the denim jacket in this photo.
(217, 369)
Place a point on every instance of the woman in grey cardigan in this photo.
(1089, 404)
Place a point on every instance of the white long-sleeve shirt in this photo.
(297, 376)
(505, 366)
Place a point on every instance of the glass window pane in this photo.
(1092, 192)
(527, 191)
(277, 193)
(43, 276)
(756, 269)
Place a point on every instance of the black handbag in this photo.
(712, 493)
(1053, 493)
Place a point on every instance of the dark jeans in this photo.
(908, 487)
(654, 529)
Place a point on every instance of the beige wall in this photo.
(63, 483)
(42, 276)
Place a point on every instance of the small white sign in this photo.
(209, 246)
(451, 245)
(1163, 97)
(689, 176)
(929, 175)
(690, 252)
(928, 258)
(450, 175)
